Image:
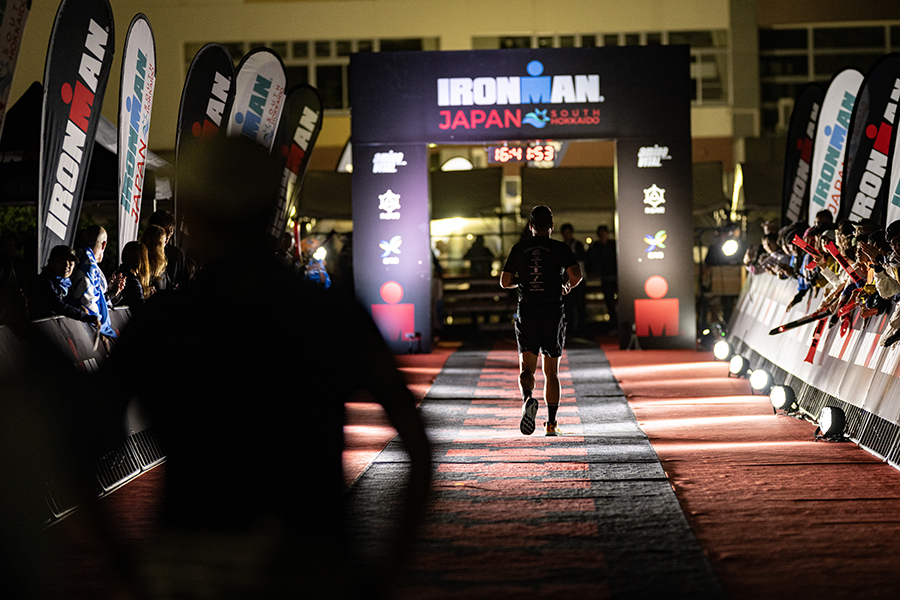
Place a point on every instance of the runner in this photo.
(543, 270)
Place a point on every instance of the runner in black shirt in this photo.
(543, 270)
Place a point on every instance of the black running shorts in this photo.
(541, 329)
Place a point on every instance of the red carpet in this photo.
(779, 515)
(588, 514)
(367, 430)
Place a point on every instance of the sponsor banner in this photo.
(79, 57)
(297, 132)
(204, 101)
(523, 94)
(655, 242)
(259, 84)
(13, 14)
(850, 365)
(135, 102)
(872, 134)
(798, 157)
(831, 141)
(391, 241)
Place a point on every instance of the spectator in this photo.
(480, 259)
(286, 254)
(602, 257)
(47, 292)
(313, 268)
(89, 288)
(176, 267)
(824, 219)
(136, 269)
(154, 239)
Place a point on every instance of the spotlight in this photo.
(730, 247)
(782, 397)
(831, 424)
(738, 366)
(760, 380)
(722, 350)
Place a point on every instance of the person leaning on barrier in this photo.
(136, 269)
(886, 270)
(48, 291)
(90, 288)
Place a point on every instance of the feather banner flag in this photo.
(135, 102)
(79, 57)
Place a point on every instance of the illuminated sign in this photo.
(506, 154)
(654, 243)
(654, 196)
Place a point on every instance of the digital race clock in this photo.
(505, 154)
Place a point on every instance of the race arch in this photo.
(638, 96)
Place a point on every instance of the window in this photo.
(709, 53)
(793, 56)
(321, 63)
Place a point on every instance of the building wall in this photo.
(455, 22)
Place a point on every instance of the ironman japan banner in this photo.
(798, 156)
(13, 14)
(830, 142)
(258, 97)
(205, 99)
(864, 194)
(79, 57)
(297, 132)
(135, 102)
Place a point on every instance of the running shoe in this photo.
(529, 412)
(551, 429)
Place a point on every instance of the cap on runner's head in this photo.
(541, 217)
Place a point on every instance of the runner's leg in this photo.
(527, 367)
(550, 366)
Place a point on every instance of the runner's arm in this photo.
(575, 277)
(507, 280)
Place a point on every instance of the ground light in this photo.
(761, 380)
(783, 398)
(722, 350)
(831, 425)
(738, 366)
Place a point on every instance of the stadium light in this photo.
(761, 380)
(783, 398)
(738, 366)
(832, 421)
(722, 350)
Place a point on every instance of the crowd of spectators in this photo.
(73, 283)
(844, 265)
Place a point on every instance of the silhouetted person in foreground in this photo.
(250, 414)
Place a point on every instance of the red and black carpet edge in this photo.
(588, 513)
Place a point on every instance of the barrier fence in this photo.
(137, 454)
(848, 369)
